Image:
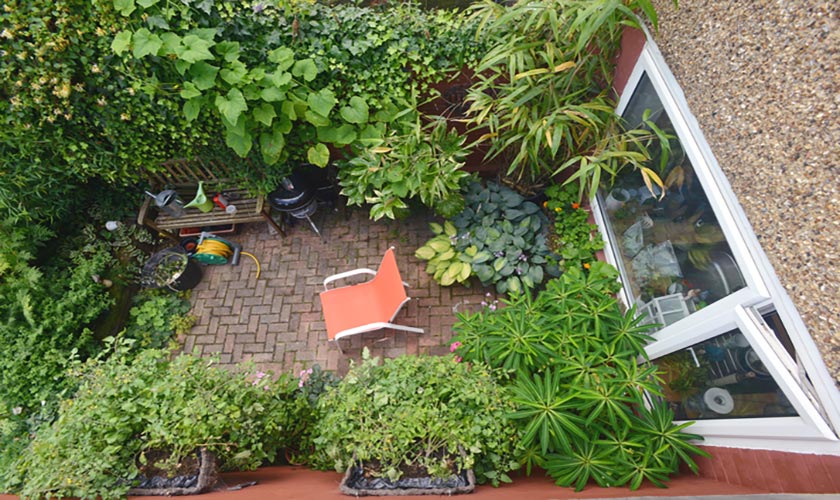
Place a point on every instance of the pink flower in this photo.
(458, 359)
(454, 346)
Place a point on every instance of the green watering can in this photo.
(201, 201)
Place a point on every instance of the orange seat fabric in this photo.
(375, 301)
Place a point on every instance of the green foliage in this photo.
(543, 95)
(418, 410)
(575, 241)
(156, 316)
(498, 237)
(569, 357)
(284, 91)
(446, 263)
(416, 161)
(506, 232)
(47, 307)
(71, 112)
(130, 405)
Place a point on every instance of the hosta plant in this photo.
(447, 264)
(498, 236)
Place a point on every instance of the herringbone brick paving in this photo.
(276, 320)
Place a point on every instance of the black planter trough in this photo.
(199, 480)
(356, 484)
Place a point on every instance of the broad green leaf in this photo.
(147, 3)
(241, 144)
(182, 66)
(157, 22)
(372, 134)
(271, 145)
(466, 271)
(340, 136)
(272, 94)
(264, 113)
(124, 7)
(316, 119)
(283, 56)
(318, 155)
(145, 43)
(171, 43)
(204, 75)
(321, 102)
(278, 79)
(424, 252)
(449, 229)
(436, 228)
(231, 106)
(305, 68)
(288, 109)
(206, 34)
(192, 108)
(283, 124)
(235, 73)
(228, 50)
(189, 91)
(195, 49)
(357, 112)
(121, 42)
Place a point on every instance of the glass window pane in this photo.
(674, 256)
(722, 377)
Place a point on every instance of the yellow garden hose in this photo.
(215, 247)
(222, 251)
(255, 260)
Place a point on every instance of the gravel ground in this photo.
(763, 80)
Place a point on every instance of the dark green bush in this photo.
(418, 410)
(570, 359)
(128, 405)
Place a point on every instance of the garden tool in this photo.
(214, 250)
(201, 201)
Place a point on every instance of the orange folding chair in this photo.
(367, 306)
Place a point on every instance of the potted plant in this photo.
(416, 425)
(171, 268)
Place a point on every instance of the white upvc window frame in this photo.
(811, 431)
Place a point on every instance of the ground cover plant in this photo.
(498, 237)
(574, 241)
(128, 406)
(569, 359)
(421, 411)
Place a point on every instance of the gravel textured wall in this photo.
(763, 80)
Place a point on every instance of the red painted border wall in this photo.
(776, 471)
(632, 43)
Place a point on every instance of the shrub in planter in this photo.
(569, 357)
(418, 413)
(130, 408)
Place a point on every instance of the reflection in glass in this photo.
(722, 377)
(674, 255)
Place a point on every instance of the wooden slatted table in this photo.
(183, 176)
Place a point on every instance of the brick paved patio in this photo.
(277, 321)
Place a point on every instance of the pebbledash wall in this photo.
(750, 91)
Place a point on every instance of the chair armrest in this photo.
(144, 210)
(347, 274)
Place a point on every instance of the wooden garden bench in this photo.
(183, 176)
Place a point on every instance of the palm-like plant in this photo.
(579, 380)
